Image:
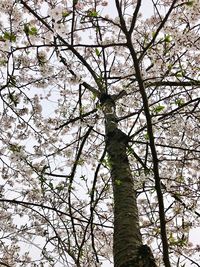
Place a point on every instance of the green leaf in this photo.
(97, 52)
(92, 13)
(146, 136)
(80, 162)
(189, 3)
(42, 179)
(65, 14)
(158, 108)
(26, 29)
(130, 151)
(33, 31)
(179, 74)
(180, 242)
(167, 38)
(51, 185)
(180, 178)
(169, 66)
(59, 188)
(94, 97)
(171, 238)
(9, 36)
(179, 102)
(3, 62)
(15, 148)
(118, 182)
(107, 162)
(30, 30)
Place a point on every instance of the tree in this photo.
(99, 132)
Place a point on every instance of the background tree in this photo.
(99, 109)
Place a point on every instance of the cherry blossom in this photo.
(97, 99)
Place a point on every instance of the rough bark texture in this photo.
(127, 247)
(127, 237)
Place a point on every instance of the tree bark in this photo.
(128, 250)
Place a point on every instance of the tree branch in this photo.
(135, 16)
(172, 83)
(153, 152)
(158, 29)
(76, 119)
(70, 47)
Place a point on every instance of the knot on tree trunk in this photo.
(117, 136)
(144, 258)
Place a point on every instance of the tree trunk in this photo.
(127, 242)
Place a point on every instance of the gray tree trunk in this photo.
(128, 249)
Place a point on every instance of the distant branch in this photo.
(40, 205)
(153, 150)
(135, 14)
(76, 119)
(91, 89)
(159, 28)
(180, 107)
(171, 83)
(70, 47)
(169, 146)
(4, 264)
